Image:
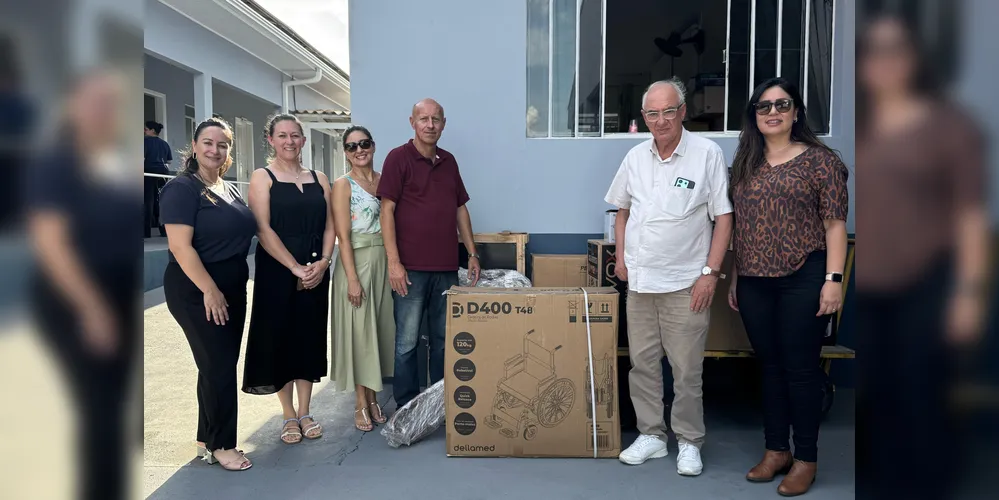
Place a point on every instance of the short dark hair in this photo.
(154, 126)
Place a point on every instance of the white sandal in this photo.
(294, 432)
(244, 462)
(314, 425)
(367, 421)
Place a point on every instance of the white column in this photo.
(307, 150)
(203, 107)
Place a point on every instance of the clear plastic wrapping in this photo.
(418, 419)
(425, 413)
(495, 278)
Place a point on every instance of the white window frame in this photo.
(190, 123)
(834, 50)
(159, 99)
(244, 164)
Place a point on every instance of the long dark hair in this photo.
(751, 152)
(191, 163)
(269, 131)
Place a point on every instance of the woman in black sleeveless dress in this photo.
(286, 347)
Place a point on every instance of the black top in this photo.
(157, 154)
(103, 219)
(221, 230)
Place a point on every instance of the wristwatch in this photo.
(835, 277)
(329, 260)
(707, 271)
(474, 256)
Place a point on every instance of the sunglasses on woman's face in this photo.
(350, 147)
(763, 107)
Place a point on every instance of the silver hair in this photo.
(676, 83)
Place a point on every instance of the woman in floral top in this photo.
(363, 322)
(790, 197)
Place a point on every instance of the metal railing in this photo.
(171, 176)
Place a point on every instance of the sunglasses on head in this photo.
(763, 107)
(350, 147)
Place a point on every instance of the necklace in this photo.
(210, 185)
(367, 186)
(218, 187)
(367, 182)
(789, 143)
(298, 173)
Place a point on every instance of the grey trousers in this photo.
(664, 321)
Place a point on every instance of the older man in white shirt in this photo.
(668, 191)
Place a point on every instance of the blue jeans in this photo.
(426, 295)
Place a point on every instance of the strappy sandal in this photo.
(368, 426)
(238, 464)
(380, 419)
(294, 432)
(315, 425)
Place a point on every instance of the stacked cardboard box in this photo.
(600, 264)
(726, 332)
(558, 270)
(518, 379)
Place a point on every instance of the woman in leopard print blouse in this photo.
(790, 197)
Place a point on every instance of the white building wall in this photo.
(178, 86)
(302, 97)
(182, 41)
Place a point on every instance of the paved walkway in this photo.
(348, 464)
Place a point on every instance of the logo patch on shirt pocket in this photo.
(684, 183)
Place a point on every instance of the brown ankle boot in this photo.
(773, 463)
(799, 479)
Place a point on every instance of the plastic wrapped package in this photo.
(425, 413)
(495, 278)
(418, 419)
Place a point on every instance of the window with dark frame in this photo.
(588, 65)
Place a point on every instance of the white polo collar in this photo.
(681, 147)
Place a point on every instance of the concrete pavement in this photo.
(346, 463)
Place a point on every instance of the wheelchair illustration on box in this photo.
(530, 393)
(603, 377)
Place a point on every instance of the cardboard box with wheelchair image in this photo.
(517, 374)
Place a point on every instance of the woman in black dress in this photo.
(209, 230)
(286, 348)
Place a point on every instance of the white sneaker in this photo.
(688, 461)
(644, 448)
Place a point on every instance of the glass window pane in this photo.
(766, 42)
(819, 64)
(792, 42)
(738, 63)
(652, 40)
(537, 68)
(590, 60)
(564, 69)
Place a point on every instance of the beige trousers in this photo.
(664, 321)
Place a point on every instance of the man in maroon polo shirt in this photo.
(423, 212)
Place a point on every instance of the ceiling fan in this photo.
(671, 45)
